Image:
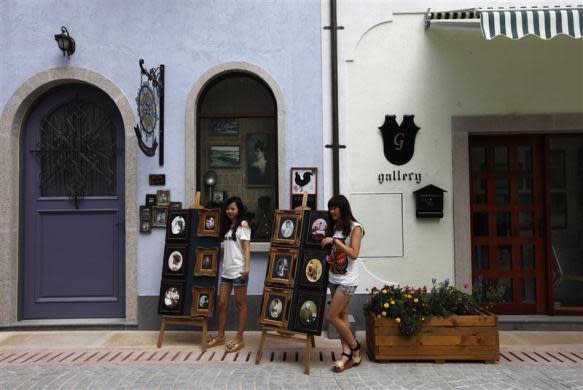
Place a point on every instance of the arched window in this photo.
(237, 140)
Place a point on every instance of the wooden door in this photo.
(507, 178)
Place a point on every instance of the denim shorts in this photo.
(237, 282)
(346, 290)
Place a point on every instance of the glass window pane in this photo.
(505, 289)
(528, 290)
(501, 158)
(504, 257)
(524, 156)
(525, 191)
(480, 191)
(527, 257)
(503, 227)
(478, 158)
(480, 224)
(502, 191)
(525, 223)
(481, 257)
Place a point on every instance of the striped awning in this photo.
(515, 23)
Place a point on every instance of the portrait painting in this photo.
(223, 156)
(163, 198)
(318, 226)
(159, 216)
(307, 312)
(203, 301)
(171, 298)
(145, 227)
(275, 307)
(281, 266)
(207, 260)
(208, 222)
(259, 159)
(175, 260)
(313, 272)
(178, 228)
(288, 226)
(145, 213)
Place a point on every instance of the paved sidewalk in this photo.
(130, 359)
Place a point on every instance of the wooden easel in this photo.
(304, 205)
(199, 322)
(284, 335)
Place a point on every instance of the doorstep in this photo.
(540, 323)
(74, 323)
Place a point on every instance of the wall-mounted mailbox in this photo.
(429, 202)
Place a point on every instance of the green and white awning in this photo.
(515, 23)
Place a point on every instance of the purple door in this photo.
(72, 209)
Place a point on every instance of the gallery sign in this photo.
(399, 140)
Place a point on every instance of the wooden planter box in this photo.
(472, 337)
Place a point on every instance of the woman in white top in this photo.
(343, 277)
(235, 272)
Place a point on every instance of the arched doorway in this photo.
(72, 206)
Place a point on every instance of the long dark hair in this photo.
(226, 225)
(346, 217)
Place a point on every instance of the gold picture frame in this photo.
(209, 223)
(288, 227)
(207, 260)
(203, 301)
(281, 266)
(275, 307)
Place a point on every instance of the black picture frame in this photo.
(150, 199)
(171, 300)
(305, 318)
(159, 216)
(175, 261)
(318, 224)
(163, 198)
(145, 213)
(178, 226)
(175, 205)
(312, 271)
(146, 227)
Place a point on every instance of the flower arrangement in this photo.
(409, 307)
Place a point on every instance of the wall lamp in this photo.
(66, 42)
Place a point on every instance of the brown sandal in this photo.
(214, 341)
(340, 366)
(356, 360)
(234, 346)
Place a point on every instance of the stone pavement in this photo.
(130, 359)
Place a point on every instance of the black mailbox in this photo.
(429, 202)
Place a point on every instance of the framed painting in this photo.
(318, 225)
(223, 156)
(307, 312)
(209, 223)
(224, 127)
(163, 198)
(150, 199)
(313, 270)
(159, 216)
(207, 260)
(171, 298)
(175, 260)
(288, 227)
(275, 307)
(259, 159)
(145, 227)
(145, 213)
(304, 180)
(281, 266)
(175, 205)
(178, 227)
(203, 301)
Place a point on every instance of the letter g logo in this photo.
(398, 140)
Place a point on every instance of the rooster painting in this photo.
(302, 180)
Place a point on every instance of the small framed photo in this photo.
(318, 225)
(175, 205)
(313, 270)
(224, 127)
(307, 312)
(145, 213)
(222, 156)
(171, 298)
(145, 226)
(288, 226)
(163, 198)
(159, 216)
(209, 223)
(175, 260)
(304, 180)
(281, 266)
(219, 197)
(275, 307)
(178, 227)
(207, 262)
(150, 199)
(203, 301)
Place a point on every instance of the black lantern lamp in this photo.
(66, 42)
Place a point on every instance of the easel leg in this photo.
(162, 328)
(260, 349)
(205, 337)
(313, 341)
(308, 354)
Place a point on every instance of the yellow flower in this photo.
(386, 305)
(415, 300)
(397, 320)
(392, 302)
(384, 291)
(422, 318)
(384, 313)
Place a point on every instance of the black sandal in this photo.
(357, 348)
(340, 366)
